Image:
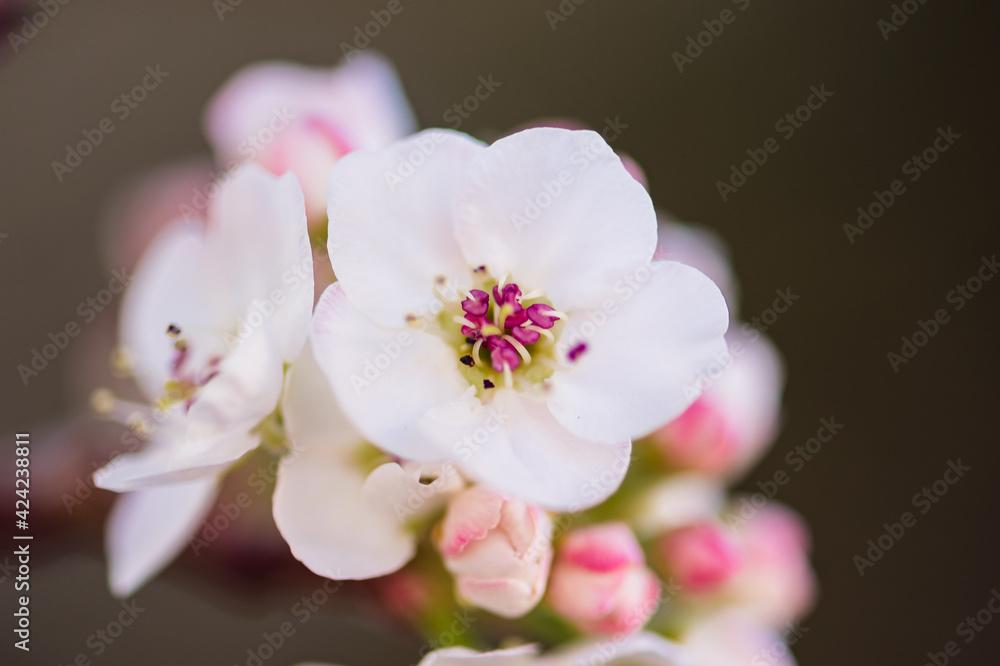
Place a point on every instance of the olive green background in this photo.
(785, 228)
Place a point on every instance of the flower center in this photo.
(505, 333)
(184, 381)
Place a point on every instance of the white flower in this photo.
(340, 519)
(212, 316)
(288, 117)
(730, 638)
(643, 648)
(499, 306)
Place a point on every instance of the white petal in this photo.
(398, 490)
(643, 359)
(257, 234)
(391, 234)
(730, 638)
(174, 283)
(591, 230)
(215, 432)
(330, 526)
(312, 415)
(699, 247)
(170, 464)
(681, 499)
(516, 447)
(245, 391)
(147, 529)
(749, 394)
(523, 655)
(385, 379)
(642, 649)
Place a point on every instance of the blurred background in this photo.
(686, 121)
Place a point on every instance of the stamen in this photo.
(464, 322)
(106, 405)
(519, 347)
(538, 329)
(487, 384)
(467, 360)
(475, 349)
(102, 401)
(505, 312)
(508, 377)
(576, 351)
(174, 331)
(488, 330)
(536, 293)
(121, 364)
(503, 280)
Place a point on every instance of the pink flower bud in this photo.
(701, 556)
(499, 550)
(777, 583)
(600, 581)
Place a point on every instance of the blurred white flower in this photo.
(637, 649)
(729, 638)
(212, 316)
(290, 117)
(499, 307)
